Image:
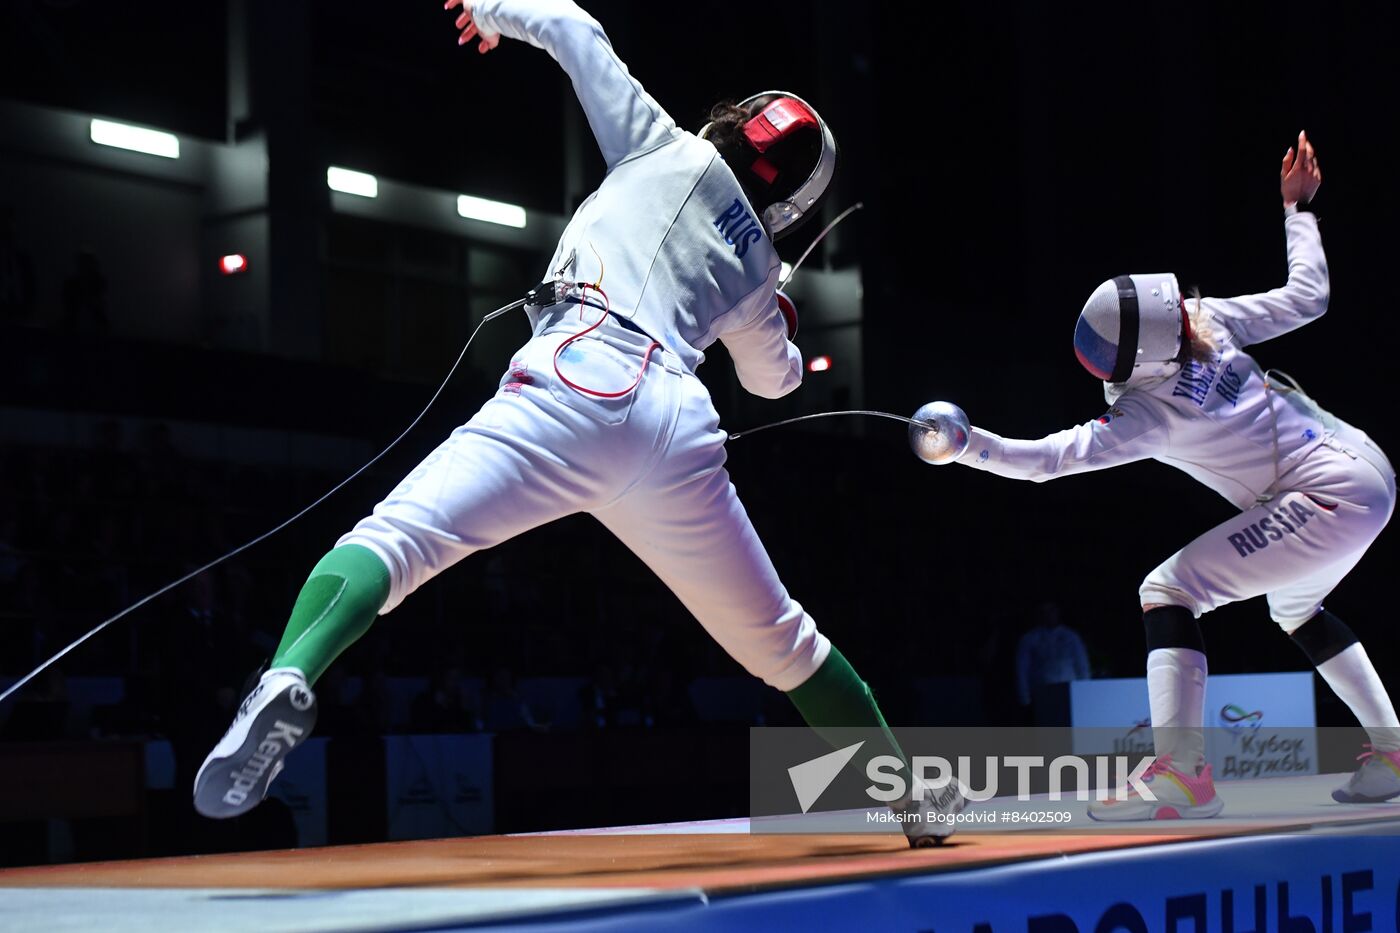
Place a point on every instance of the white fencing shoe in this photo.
(273, 719)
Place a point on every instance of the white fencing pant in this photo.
(649, 466)
(1297, 546)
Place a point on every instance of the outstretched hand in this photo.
(1301, 176)
(468, 25)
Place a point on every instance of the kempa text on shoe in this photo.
(944, 801)
(268, 751)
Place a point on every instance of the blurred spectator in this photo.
(1049, 653)
(200, 640)
(375, 705)
(506, 709)
(113, 467)
(136, 714)
(995, 655)
(161, 462)
(31, 593)
(16, 272)
(10, 558)
(338, 713)
(495, 584)
(443, 706)
(107, 551)
(666, 702)
(85, 294)
(598, 698)
(40, 714)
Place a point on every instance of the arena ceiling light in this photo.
(492, 212)
(349, 182)
(135, 138)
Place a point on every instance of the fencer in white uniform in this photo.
(601, 410)
(1313, 491)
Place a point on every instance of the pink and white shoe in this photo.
(1180, 795)
(1376, 780)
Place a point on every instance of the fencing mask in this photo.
(783, 154)
(1132, 321)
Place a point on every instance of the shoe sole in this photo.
(927, 842)
(926, 839)
(1165, 811)
(224, 787)
(1341, 796)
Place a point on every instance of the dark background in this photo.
(1010, 156)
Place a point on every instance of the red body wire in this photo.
(646, 356)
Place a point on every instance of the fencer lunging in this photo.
(601, 411)
(1313, 492)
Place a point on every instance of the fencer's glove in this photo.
(789, 310)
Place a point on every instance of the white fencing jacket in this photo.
(1216, 421)
(679, 249)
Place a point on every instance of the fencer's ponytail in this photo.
(726, 126)
(726, 132)
(1204, 346)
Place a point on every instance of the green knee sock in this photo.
(835, 696)
(337, 604)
